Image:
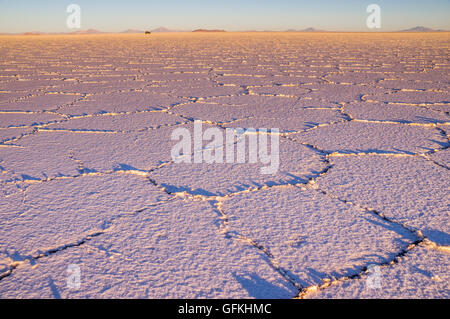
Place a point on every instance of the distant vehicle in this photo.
(148, 32)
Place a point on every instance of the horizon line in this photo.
(91, 31)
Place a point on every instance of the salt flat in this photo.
(87, 177)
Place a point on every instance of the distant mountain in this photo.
(311, 30)
(206, 30)
(305, 30)
(421, 29)
(33, 33)
(162, 29)
(132, 31)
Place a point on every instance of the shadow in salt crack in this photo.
(26, 177)
(260, 288)
(315, 276)
(87, 170)
(18, 257)
(177, 189)
(428, 120)
(404, 151)
(372, 151)
(405, 234)
(125, 167)
(437, 236)
(297, 179)
(440, 143)
(311, 124)
(243, 186)
(425, 273)
(291, 180)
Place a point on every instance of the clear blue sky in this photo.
(232, 15)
